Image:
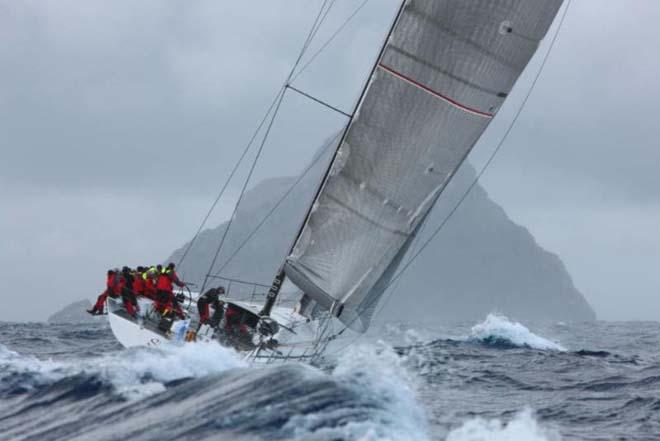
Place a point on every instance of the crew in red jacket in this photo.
(149, 280)
(138, 282)
(100, 300)
(175, 278)
(118, 284)
(163, 291)
(165, 295)
(169, 270)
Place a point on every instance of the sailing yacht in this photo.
(442, 74)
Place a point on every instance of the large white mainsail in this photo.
(444, 72)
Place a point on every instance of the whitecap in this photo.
(523, 427)
(379, 375)
(500, 330)
(133, 373)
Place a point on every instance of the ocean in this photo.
(494, 380)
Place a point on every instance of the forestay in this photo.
(445, 70)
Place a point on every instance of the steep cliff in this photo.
(480, 262)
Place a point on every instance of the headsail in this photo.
(443, 74)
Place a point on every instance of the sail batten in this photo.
(442, 75)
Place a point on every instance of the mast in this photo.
(274, 290)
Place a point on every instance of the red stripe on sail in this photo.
(434, 93)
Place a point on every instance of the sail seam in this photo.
(366, 218)
(445, 72)
(436, 94)
(387, 201)
(442, 27)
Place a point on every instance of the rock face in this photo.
(480, 262)
(73, 313)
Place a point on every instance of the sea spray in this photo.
(376, 374)
(499, 330)
(133, 373)
(523, 427)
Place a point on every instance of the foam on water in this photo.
(380, 393)
(603, 392)
(378, 373)
(497, 329)
(523, 427)
(133, 373)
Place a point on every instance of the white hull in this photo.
(130, 334)
(297, 338)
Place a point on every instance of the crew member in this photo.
(149, 280)
(138, 282)
(232, 319)
(169, 270)
(118, 283)
(100, 301)
(210, 298)
(127, 294)
(175, 278)
(165, 296)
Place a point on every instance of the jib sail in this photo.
(445, 70)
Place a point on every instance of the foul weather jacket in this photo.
(138, 286)
(118, 286)
(164, 283)
(149, 289)
(174, 277)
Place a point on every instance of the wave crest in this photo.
(498, 330)
(523, 427)
(133, 373)
(383, 406)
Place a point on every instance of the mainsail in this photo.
(443, 74)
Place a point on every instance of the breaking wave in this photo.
(523, 427)
(377, 372)
(499, 331)
(133, 374)
(460, 389)
(208, 392)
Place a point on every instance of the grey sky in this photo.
(120, 120)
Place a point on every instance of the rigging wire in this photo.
(329, 40)
(243, 189)
(279, 202)
(320, 18)
(488, 162)
(226, 184)
(315, 28)
(310, 35)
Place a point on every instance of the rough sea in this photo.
(494, 380)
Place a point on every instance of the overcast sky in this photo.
(120, 120)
